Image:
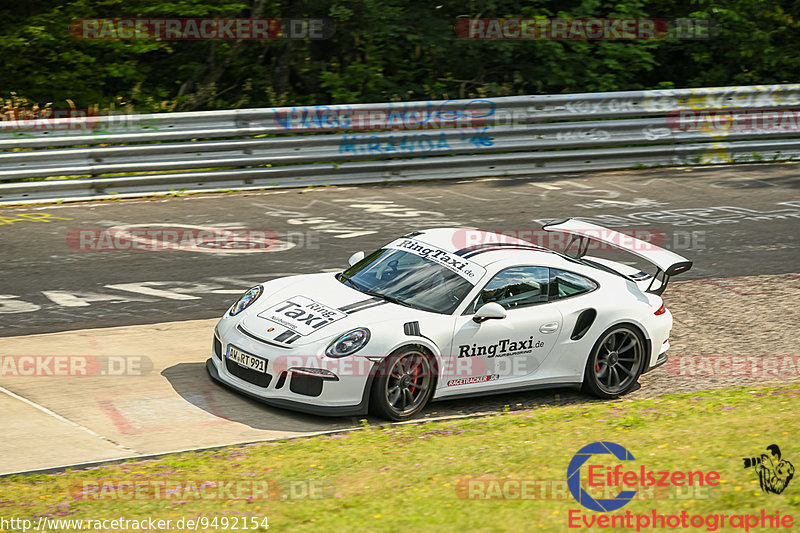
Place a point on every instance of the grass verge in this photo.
(417, 477)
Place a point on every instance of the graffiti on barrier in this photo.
(409, 116)
(413, 142)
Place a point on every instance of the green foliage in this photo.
(382, 50)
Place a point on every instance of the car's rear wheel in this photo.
(615, 363)
(404, 384)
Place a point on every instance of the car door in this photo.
(506, 351)
(571, 293)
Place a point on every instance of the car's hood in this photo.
(312, 308)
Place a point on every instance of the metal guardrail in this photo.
(132, 155)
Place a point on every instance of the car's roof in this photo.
(480, 247)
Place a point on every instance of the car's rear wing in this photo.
(668, 263)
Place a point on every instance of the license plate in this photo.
(246, 360)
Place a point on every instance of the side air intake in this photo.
(582, 325)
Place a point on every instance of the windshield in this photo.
(408, 279)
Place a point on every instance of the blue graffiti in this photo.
(479, 139)
(411, 142)
(416, 142)
(412, 115)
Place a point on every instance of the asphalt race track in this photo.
(147, 315)
(745, 220)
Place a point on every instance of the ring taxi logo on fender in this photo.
(502, 348)
(302, 315)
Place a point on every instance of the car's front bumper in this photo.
(341, 390)
(360, 409)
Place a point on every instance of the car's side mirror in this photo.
(487, 311)
(355, 258)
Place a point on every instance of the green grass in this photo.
(411, 477)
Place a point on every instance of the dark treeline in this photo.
(382, 50)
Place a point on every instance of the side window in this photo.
(564, 284)
(516, 287)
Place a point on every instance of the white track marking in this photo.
(421, 198)
(558, 185)
(142, 288)
(85, 299)
(60, 418)
(619, 201)
(614, 184)
(10, 303)
(472, 196)
(670, 181)
(574, 184)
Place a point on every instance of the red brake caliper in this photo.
(416, 371)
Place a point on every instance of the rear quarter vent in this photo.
(582, 325)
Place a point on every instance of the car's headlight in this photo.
(349, 343)
(246, 300)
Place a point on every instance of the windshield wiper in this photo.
(391, 299)
(345, 279)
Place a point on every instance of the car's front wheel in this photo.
(615, 362)
(404, 384)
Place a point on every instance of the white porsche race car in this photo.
(429, 317)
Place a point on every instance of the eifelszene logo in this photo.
(608, 478)
(603, 476)
(574, 476)
(774, 472)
